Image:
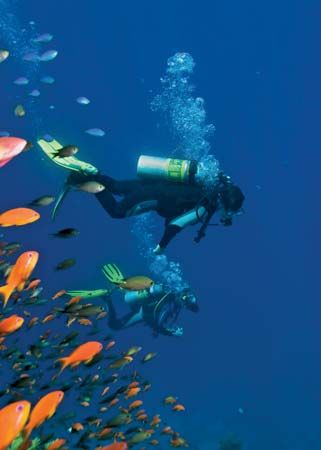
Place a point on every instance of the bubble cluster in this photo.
(186, 117)
(184, 113)
(167, 272)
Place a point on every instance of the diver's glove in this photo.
(158, 250)
(177, 332)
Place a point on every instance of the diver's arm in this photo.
(178, 224)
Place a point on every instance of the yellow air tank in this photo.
(175, 170)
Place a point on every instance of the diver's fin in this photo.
(63, 194)
(88, 294)
(113, 273)
(51, 150)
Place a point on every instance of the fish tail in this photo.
(5, 293)
(64, 362)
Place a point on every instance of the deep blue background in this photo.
(256, 342)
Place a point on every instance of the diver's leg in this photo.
(126, 321)
(138, 201)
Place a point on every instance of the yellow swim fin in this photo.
(51, 149)
(70, 163)
(113, 273)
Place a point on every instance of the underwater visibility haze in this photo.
(178, 308)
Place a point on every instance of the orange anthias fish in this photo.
(12, 420)
(19, 275)
(132, 392)
(57, 444)
(11, 147)
(18, 217)
(33, 284)
(10, 324)
(84, 353)
(43, 410)
(116, 446)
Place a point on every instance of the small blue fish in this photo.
(34, 93)
(4, 133)
(83, 100)
(95, 132)
(49, 55)
(21, 81)
(45, 37)
(47, 79)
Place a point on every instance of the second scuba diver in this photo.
(151, 304)
(171, 187)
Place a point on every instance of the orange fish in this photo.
(11, 324)
(105, 432)
(105, 390)
(33, 322)
(57, 444)
(33, 284)
(48, 318)
(110, 345)
(113, 402)
(19, 275)
(116, 446)
(18, 217)
(142, 418)
(155, 421)
(135, 404)
(11, 147)
(13, 418)
(84, 353)
(132, 392)
(58, 294)
(85, 322)
(77, 427)
(178, 408)
(73, 301)
(43, 410)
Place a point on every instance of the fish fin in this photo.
(63, 194)
(76, 364)
(88, 361)
(5, 292)
(64, 362)
(21, 286)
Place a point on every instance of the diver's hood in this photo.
(189, 301)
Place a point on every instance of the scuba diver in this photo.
(171, 187)
(151, 304)
(155, 307)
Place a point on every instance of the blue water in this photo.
(249, 362)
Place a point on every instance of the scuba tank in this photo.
(169, 169)
(133, 298)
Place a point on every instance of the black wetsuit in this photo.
(164, 322)
(170, 200)
(180, 204)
